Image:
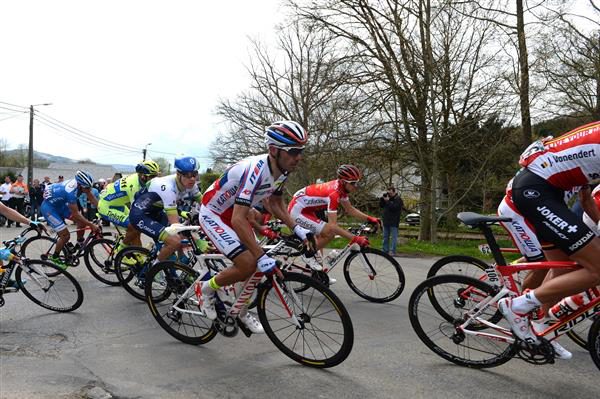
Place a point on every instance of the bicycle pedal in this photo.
(243, 327)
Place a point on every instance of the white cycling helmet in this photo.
(285, 134)
(84, 179)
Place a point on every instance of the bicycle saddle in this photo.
(475, 219)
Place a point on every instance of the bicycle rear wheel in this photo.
(49, 286)
(131, 265)
(99, 256)
(459, 264)
(438, 330)
(325, 336)
(174, 307)
(374, 275)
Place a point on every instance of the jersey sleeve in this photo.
(250, 181)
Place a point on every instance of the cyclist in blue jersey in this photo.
(155, 206)
(60, 203)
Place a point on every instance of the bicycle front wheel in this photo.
(174, 305)
(99, 257)
(374, 275)
(49, 286)
(131, 265)
(324, 335)
(456, 295)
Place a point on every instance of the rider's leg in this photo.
(63, 239)
(132, 237)
(171, 244)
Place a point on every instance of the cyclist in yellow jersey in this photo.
(117, 197)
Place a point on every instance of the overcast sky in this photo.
(133, 72)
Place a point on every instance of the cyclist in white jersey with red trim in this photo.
(549, 169)
(525, 240)
(308, 201)
(227, 203)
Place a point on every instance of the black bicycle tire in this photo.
(58, 272)
(593, 340)
(28, 242)
(391, 260)
(434, 269)
(413, 307)
(125, 281)
(348, 339)
(211, 332)
(87, 254)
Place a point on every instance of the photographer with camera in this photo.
(392, 206)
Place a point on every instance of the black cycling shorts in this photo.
(543, 205)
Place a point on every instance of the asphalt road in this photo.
(112, 347)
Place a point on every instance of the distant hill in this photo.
(43, 155)
(54, 158)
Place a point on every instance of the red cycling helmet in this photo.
(348, 173)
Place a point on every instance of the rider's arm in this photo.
(91, 198)
(353, 212)
(279, 210)
(239, 222)
(13, 215)
(76, 216)
(588, 204)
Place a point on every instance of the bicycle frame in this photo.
(503, 274)
(242, 298)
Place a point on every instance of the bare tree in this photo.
(423, 84)
(571, 63)
(308, 79)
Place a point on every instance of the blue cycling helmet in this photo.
(186, 164)
(84, 179)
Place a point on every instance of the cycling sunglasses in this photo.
(353, 182)
(293, 152)
(189, 175)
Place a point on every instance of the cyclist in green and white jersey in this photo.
(116, 199)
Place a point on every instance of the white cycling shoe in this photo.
(559, 351)
(207, 306)
(519, 324)
(251, 322)
(332, 280)
(313, 263)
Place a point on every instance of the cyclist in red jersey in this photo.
(329, 196)
(549, 169)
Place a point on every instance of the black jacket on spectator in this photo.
(391, 210)
(36, 194)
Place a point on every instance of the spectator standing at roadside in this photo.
(36, 197)
(61, 178)
(6, 196)
(19, 191)
(89, 210)
(392, 205)
(46, 182)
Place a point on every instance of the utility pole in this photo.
(30, 153)
(144, 151)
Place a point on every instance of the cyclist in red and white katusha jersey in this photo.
(328, 196)
(227, 203)
(549, 169)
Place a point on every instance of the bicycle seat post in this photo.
(491, 240)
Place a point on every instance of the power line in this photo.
(81, 138)
(14, 105)
(89, 135)
(13, 110)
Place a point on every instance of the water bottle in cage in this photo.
(572, 303)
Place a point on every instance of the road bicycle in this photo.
(132, 263)
(456, 316)
(372, 274)
(97, 250)
(477, 268)
(302, 317)
(42, 282)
